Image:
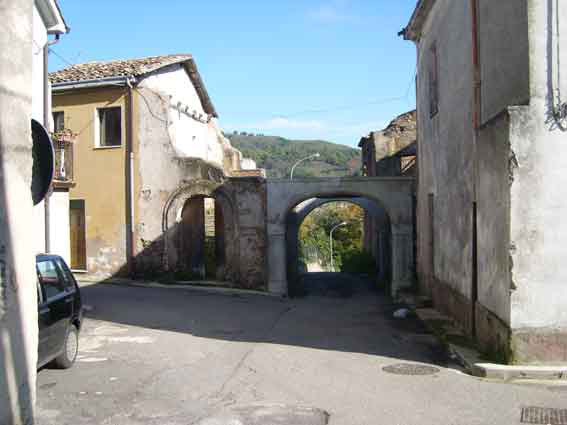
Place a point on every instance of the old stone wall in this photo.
(250, 200)
(446, 146)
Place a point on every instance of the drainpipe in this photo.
(476, 128)
(129, 171)
(46, 109)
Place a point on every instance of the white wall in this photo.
(39, 40)
(190, 138)
(59, 221)
(248, 164)
(18, 292)
(539, 204)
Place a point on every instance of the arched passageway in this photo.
(199, 225)
(381, 253)
(391, 195)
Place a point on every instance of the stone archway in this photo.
(226, 240)
(297, 215)
(393, 194)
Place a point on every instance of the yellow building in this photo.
(141, 128)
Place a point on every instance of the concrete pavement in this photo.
(169, 356)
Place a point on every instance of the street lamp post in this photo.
(331, 241)
(315, 155)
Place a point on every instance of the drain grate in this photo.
(411, 369)
(544, 416)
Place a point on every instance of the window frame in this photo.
(98, 125)
(433, 95)
(53, 114)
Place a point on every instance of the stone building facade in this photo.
(148, 152)
(390, 152)
(491, 150)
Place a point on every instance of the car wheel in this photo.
(70, 349)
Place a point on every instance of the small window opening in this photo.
(110, 127)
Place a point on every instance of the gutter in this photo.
(129, 181)
(100, 82)
(46, 122)
(46, 108)
(52, 17)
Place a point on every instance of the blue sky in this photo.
(309, 69)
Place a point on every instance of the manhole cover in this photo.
(411, 369)
(545, 416)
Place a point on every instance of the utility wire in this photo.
(383, 101)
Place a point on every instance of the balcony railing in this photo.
(63, 146)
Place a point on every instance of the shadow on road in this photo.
(358, 323)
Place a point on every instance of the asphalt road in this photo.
(179, 356)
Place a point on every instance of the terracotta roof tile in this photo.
(117, 68)
(133, 68)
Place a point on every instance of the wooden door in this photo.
(78, 237)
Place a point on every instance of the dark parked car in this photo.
(60, 312)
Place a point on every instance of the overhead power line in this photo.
(351, 107)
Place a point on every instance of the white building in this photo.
(48, 20)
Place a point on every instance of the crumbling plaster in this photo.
(508, 168)
(538, 136)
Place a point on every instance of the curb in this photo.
(518, 373)
(186, 287)
(472, 361)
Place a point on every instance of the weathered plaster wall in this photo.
(18, 293)
(167, 180)
(446, 152)
(99, 174)
(250, 201)
(538, 229)
(189, 137)
(493, 217)
(520, 156)
(160, 172)
(504, 57)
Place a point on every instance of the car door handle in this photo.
(68, 300)
(44, 310)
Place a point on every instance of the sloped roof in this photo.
(404, 123)
(93, 71)
(413, 30)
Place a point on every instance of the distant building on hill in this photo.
(390, 152)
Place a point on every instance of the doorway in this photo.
(78, 234)
(201, 242)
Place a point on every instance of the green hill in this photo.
(277, 155)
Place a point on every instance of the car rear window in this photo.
(50, 278)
